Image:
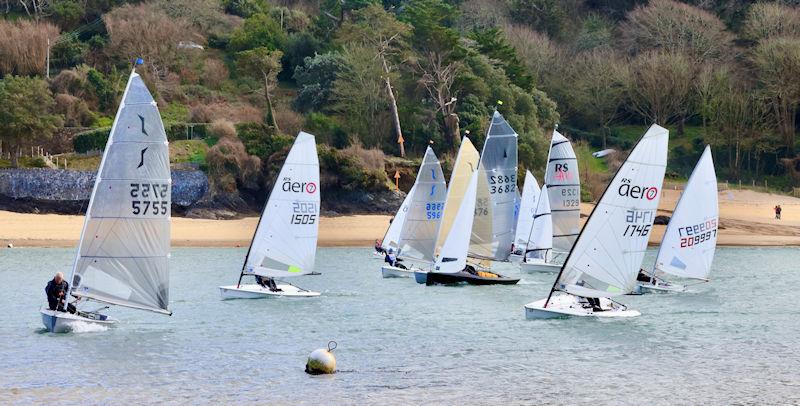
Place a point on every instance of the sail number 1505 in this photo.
(304, 213)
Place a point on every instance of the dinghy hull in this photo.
(660, 287)
(537, 266)
(63, 322)
(561, 306)
(255, 291)
(435, 278)
(421, 276)
(389, 271)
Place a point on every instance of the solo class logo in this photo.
(297, 187)
(637, 192)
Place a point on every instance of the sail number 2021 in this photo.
(304, 213)
(149, 198)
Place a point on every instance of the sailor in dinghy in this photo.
(285, 241)
(123, 252)
(609, 250)
(688, 246)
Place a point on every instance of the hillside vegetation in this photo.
(235, 80)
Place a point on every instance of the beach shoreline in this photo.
(746, 219)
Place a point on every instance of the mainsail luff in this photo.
(493, 227)
(563, 180)
(466, 162)
(583, 272)
(285, 242)
(687, 248)
(421, 226)
(125, 263)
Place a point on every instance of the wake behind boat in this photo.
(124, 245)
(285, 241)
(606, 257)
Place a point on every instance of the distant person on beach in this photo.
(778, 210)
(56, 291)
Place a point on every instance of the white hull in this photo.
(538, 265)
(564, 305)
(515, 258)
(255, 291)
(660, 287)
(63, 322)
(389, 271)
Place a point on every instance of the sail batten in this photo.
(608, 253)
(285, 241)
(123, 252)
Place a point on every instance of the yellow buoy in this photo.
(322, 361)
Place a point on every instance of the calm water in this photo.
(735, 340)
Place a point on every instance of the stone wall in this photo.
(65, 191)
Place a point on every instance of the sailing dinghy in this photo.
(526, 214)
(285, 242)
(493, 219)
(124, 246)
(392, 237)
(607, 255)
(563, 181)
(539, 242)
(420, 227)
(688, 246)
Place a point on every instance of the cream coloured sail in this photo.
(392, 237)
(527, 210)
(466, 163)
(453, 257)
(687, 249)
(493, 228)
(124, 247)
(608, 253)
(421, 226)
(540, 240)
(563, 182)
(285, 242)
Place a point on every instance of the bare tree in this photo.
(661, 86)
(771, 20)
(23, 46)
(437, 76)
(265, 65)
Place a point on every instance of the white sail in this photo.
(687, 249)
(466, 163)
(562, 179)
(453, 257)
(608, 253)
(392, 237)
(493, 228)
(527, 210)
(285, 242)
(124, 247)
(540, 239)
(421, 226)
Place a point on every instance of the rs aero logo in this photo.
(298, 187)
(637, 192)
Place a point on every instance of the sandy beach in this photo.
(747, 219)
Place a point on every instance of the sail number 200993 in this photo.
(149, 199)
(304, 213)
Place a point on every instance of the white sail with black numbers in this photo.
(493, 228)
(563, 182)
(527, 210)
(124, 248)
(392, 237)
(421, 226)
(608, 254)
(687, 249)
(540, 239)
(285, 242)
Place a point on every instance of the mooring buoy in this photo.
(322, 361)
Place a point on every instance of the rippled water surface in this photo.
(734, 340)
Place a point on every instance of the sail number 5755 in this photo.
(149, 199)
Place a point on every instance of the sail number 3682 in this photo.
(304, 213)
(149, 198)
(502, 183)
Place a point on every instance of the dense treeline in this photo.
(361, 73)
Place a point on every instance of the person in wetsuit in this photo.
(267, 283)
(56, 291)
(392, 259)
